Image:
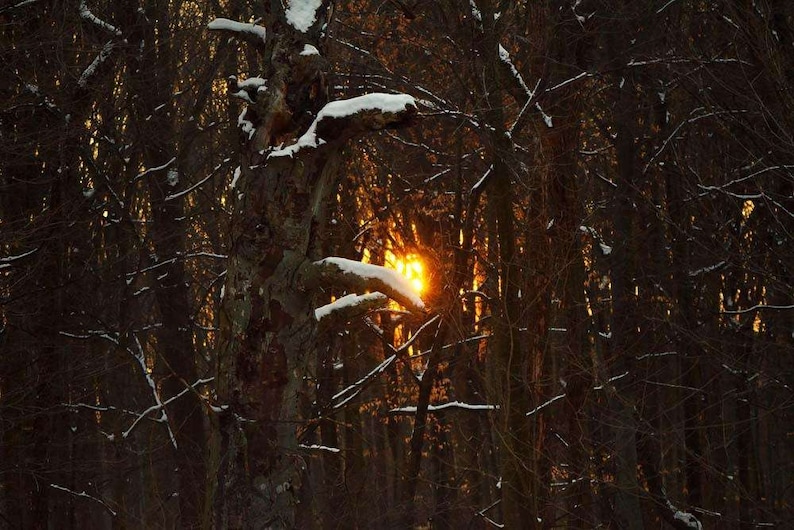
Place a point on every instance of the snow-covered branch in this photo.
(360, 277)
(161, 406)
(344, 118)
(350, 306)
(246, 31)
(544, 405)
(8, 260)
(679, 519)
(89, 72)
(445, 406)
(23, 3)
(521, 88)
(85, 495)
(86, 14)
(348, 393)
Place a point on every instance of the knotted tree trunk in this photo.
(268, 326)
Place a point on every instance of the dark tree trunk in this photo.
(267, 328)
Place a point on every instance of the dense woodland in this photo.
(594, 200)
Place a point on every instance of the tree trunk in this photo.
(267, 327)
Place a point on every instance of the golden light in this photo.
(409, 266)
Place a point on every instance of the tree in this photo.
(268, 326)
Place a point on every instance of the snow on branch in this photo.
(85, 495)
(302, 14)
(445, 406)
(245, 30)
(373, 111)
(504, 57)
(86, 14)
(476, 13)
(320, 448)
(89, 72)
(345, 395)
(357, 276)
(682, 520)
(8, 260)
(23, 3)
(160, 405)
(350, 304)
(544, 405)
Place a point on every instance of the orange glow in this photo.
(409, 266)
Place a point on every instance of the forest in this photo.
(396, 264)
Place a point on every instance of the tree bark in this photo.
(267, 327)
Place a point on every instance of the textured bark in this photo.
(267, 330)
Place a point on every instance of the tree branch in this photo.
(360, 277)
(338, 121)
(244, 31)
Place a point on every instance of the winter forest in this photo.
(396, 264)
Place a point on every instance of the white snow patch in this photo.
(302, 14)
(245, 125)
(349, 300)
(237, 172)
(308, 49)
(252, 82)
(475, 11)
(172, 177)
(685, 517)
(390, 277)
(346, 107)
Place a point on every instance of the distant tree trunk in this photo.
(151, 75)
(625, 325)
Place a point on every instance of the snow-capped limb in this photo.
(504, 56)
(8, 260)
(320, 448)
(246, 31)
(350, 305)
(89, 72)
(85, 495)
(344, 118)
(446, 406)
(359, 277)
(519, 89)
(139, 356)
(546, 404)
(161, 405)
(606, 250)
(684, 520)
(86, 14)
(344, 396)
(476, 13)
(23, 3)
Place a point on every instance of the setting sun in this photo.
(411, 267)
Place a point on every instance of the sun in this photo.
(412, 268)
